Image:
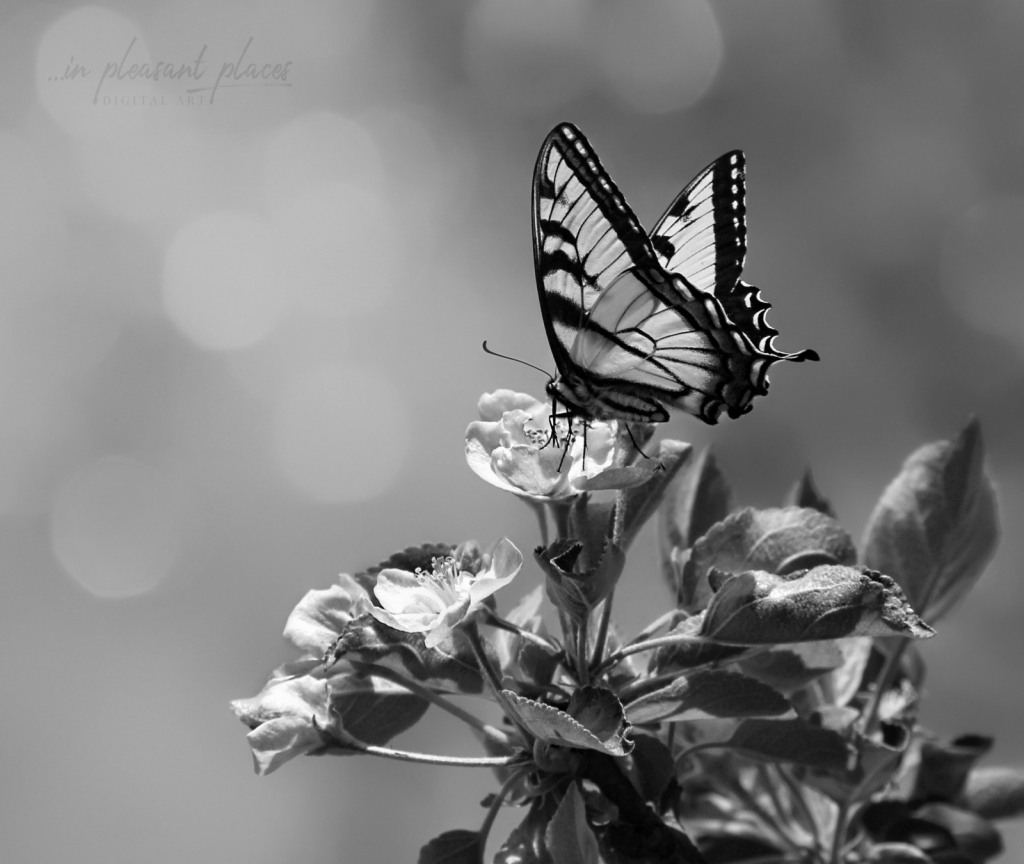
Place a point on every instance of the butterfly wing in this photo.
(585, 236)
(702, 238)
(703, 235)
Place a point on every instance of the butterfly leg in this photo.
(629, 431)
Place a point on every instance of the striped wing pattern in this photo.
(630, 335)
(703, 235)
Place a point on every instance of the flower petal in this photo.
(444, 625)
(506, 562)
(492, 406)
(320, 616)
(281, 716)
(402, 592)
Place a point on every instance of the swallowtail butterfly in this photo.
(639, 324)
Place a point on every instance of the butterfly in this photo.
(639, 324)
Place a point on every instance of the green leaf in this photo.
(805, 494)
(897, 853)
(794, 666)
(777, 540)
(618, 478)
(709, 694)
(374, 710)
(525, 845)
(637, 504)
(945, 765)
(826, 602)
(521, 658)
(727, 848)
(598, 721)
(696, 499)
(995, 792)
(871, 768)
(650, 767)
(568, 836)
(936, 525)
(452, 670)
(573, 589)
(795, 741)
(452, 847)
(975, 837)
(690, 655)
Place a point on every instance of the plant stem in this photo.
(839, 835)
(491, 732)
(884, 682)
(755, 808)
(602, 630)
(492, 812)
(560, 514)
(582, 659)
(797, 794)
(650, 645)
(785, 817)
(491, 676)
(496, 620)
(428, 759)
(542, 518)
(654, 626)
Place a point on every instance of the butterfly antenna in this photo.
(516, 360)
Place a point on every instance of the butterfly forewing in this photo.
(585, 235)
(703, 235)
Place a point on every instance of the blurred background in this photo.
(241, 333)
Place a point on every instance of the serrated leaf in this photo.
(826, 602)
(451, 668)
(411, 559)
(805, 494)
(713, 693)
(776, 540)
(794, 741)
(452, 847)
(945, 765)
(936, 525)
(605, 730)
(525, 845)
(568, 837)
(571, 586)
(995, 792)
(374, 710)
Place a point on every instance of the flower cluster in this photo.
(770, 715)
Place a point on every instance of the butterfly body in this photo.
(640, 324)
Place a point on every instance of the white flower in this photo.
(512, 448)
(433, 603)
(285, 714)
